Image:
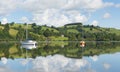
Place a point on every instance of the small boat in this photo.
(28, 41)
(82, 43)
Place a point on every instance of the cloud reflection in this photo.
(4, 60)
(24, 62)
(58, 63)
(106, 65)
(4, 69)
(94, 58)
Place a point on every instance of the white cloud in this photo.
(56, 17)
(95, 4)
(40, 5)
(64, 4)
(56, 12)
(24, 19)
(4, 21)
(107, 15)
(117, 5)
(108, 4)
(51, 17)
(95, 23)
(76, 16)
(37, 6)
(6, 6)
(111, 4)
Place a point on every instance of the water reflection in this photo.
(68, 49)
(4, 60)
(94, 58)
(60, 57)
(60, 63)
(106, 66)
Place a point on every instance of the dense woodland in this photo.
(69, 32)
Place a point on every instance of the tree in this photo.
(79, 27)
(0, 22)
(25, 24)
(46, 33)
(21, 34)
(33, 25)
(12, 23)
(6, 27)
(91, 27)
(79, 37)
(72, 37)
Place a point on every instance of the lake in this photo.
(60, 56)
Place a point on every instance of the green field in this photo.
(72, 31)
(51, 29)
(13, 32)
(112, 30)
(58, 38)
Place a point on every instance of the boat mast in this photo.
(26, 31)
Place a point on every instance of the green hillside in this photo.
(13, 32)
(69, 32)
(51, 29)
(112, 30)
(72, 31)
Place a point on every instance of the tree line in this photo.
(37, 32)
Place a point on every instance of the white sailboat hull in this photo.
(29, 42)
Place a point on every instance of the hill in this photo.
(69, 32)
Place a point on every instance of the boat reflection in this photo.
(28, 46)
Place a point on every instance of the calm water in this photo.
(60, 57)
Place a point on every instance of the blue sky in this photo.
(104, 13)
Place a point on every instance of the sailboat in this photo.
(28, 41)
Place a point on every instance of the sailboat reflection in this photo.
(28, 46)
(27, 60)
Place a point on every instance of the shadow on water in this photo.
(69, 49)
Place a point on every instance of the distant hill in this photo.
(68, 32)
